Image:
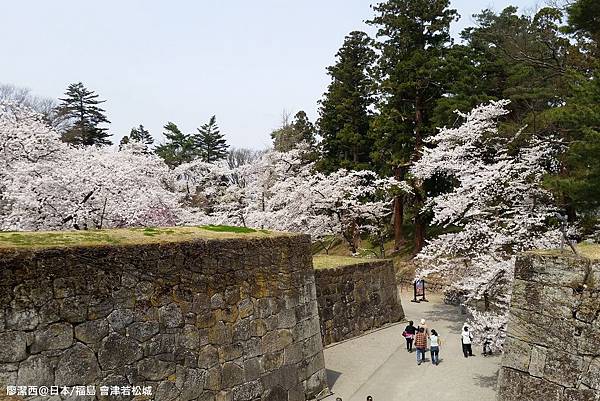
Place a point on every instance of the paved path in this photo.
(378, 364)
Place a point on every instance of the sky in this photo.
(184, 61)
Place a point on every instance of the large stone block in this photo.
(563, 367)
(519, 386)
(117, 351)
(153, 368)
(92, 331)
(55, 336)
(77, 366)
(37, 370)
(13, 347)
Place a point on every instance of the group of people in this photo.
(419, 337)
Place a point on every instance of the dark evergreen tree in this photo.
(291, 134)
(138, 134)
(414, 40)
(509, 56)
(210, 144)
(124, 141)
(584, 22)
(304, 128)
(142, 135)
(80, 106)
(179, 147)
(577, 184)
(344, 114)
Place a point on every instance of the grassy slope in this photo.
(591, 251)
(340, 255)
(331, 261)
(124, 236)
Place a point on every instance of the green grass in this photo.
(124, 236)
(332, 261)
(58, 238)
(154, 231)
(231, 229)
(591, 251)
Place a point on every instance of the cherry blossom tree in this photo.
(49, 185)
(281, 191)
(497, 208)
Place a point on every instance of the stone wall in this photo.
(357, 298)
(552, 351)
(210, 320)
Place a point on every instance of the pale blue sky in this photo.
(183, 61)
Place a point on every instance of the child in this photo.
(434, 347)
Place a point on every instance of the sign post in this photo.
(419, 291)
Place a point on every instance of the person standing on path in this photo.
(424, 326)
(421, 345)
(434, 347)
(466, 339)
(409, 335)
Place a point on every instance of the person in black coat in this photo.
(409, 335)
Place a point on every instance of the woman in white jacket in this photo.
(466, 339)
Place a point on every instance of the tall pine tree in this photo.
(414, 39)
(344, 115)
(210, 144)
(179, 147)
(80, 106)
(289, 135)
(138, 134)
(577, 184)
(510, 56)
(141, 134)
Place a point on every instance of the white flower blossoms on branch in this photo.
(47, 184)
(497, 207)
(280, 191)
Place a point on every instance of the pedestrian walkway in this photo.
(378, 364)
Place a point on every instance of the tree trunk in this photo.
(399, 239)
(398, 220)
(420, 223)
(420, 227)
(355, 237)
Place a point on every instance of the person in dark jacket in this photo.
(409, 335)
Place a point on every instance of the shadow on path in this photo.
(443, 312)
(487, 381)
(332, 376)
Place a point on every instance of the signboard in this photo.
(419, 291)
(419, 288)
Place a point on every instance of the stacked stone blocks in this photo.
(355, 299)
(552, 351)
(210, 320)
